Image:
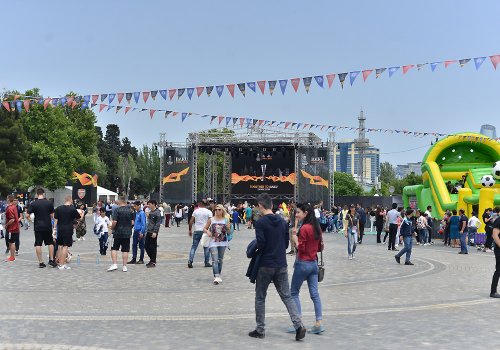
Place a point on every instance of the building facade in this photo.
(403, 170)
(346, 160)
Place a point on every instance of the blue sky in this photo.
(121, 46)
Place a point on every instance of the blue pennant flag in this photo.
(136, 96)
(55, 102)
(190, 92)
(85, 104)
(86, 98)
(478, 61)
(249, 121)
(111, 97)
(234, 121)
(434, 65)
(220, 89)
(228, 119)
(110, 107)
(40, 101)
(63, 101)
(392, 70)
(353, 75)
(184, 116)
(319, 80)
(78, 99)
(251, 85)
(299, 125)
(283, 83)
(163, 94)
(19, 105)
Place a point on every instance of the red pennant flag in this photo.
(199, 90)
(262, 85)
(305, 126)
(447, 63)
(495, 60)
(407, 68)
(171, 93)
(102, 106)
(26, 104)
(366, 73)
(74, 104)
(46, 102)
(120, 97)
(94, 98)
(16, 97)
(295, 83)
(221, 118)
(230, 87)
(260, 122)
(128, 108)
(145, 95)
(174, 114)
(151, 112)
(70, 101)
(287, 124)
(242, 120)
(6, 105)
(329, 78)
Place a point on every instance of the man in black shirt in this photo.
(123, 221)
(496, 239)
(64, 218)
(462, 226)
(44, 212)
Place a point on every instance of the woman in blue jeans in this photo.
(217, 228)
(309, 242)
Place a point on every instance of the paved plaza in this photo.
(368, 303)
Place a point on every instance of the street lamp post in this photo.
(161, 145)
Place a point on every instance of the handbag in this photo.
(321, 268)
(205, 240)
(229, 234)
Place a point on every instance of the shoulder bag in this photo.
(321, 267)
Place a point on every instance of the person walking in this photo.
(406, 230)
(472, 226)
(168, 215)
(81, 226)
(488, 222)
(64, 218)
(103, 223)
(430, 223)
(345, 210)
(454, 229)
(248, 216)
(392, 217)
(139, 235)
(178, 214)
(271, 232)
(122, 224)
(294, 223)
(462, 226)
(362, 222)
(495, 234)
(217, 228)
(43, 210)
(200, 217)
(422, 228)
(352, 229)
(11, 227)
(379, 222)
(309, 242)
(154, 223)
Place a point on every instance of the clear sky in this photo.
(124, 46)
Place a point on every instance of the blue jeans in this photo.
(472, 235)
(352, 239)
(217, 258)
(136, 241)
(306, 271)
(424, 235)
(408, 240)
(103, 243)
(463, 241)
(196, 241)
(279, 276)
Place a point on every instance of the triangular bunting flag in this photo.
(307, 83)
(110, 108)
(199, 90)
(421, 65)
(46, 102)
(228, 119)
(393, 70)
(407, 68)
(251, 85)
(7, 106)
(241, 86)
(213, 118)
(19, 106)
(103, 97)
(26, 104)
(234, 121)
(230, 87)
(379, 72)
(111, 97)
(283, 83)
(184, 116)
(262, 85)
(434, 65)
(163, 94)
(295, 83)
(342, 77)
(366, 73)
(180, 92)
(242, 120)
(63, 101)
(298, 125)
(120, 97)
(447, 63)
(102, 106)
(153, 94)
(330, 78)
(287, 124)
(495, 60)
(171, 93)
(478, 61)
(128, 97)
(319, 80)
(463, 61)
(174, 114)
(260, 122)
(136, 96)
(353, 76)
(94, 98)
(118, 108)
(190, 92)
(167, 113)
(145, 96)
(219, 89)
(272, 85)
(152, 113)
(209, 90)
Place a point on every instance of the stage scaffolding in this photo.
(218, 145)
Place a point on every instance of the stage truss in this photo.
(219, 143)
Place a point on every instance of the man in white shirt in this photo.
(429, 222)
(199, 219)
(392, 217)
(472, 226)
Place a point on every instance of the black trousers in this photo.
(151, 246)
(393, 231)
(489, 238)
(379, 231)
(496, 275)
(7, 242)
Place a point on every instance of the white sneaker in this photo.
(79, 239)
(349, 257)
(83, 238)
(353, 256)
(64, 267)
(217, 280)
(113, 267)
(124, 269)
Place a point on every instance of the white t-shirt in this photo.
(103, 222)
(201, 216)
(474, 222)
(393, 215)
(161, 211)
(317, 213)
(428, 214)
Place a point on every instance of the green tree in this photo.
(345, 185)
(148, 171)
(387, 173)
(128, 171)
(109, 155)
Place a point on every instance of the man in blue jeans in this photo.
(139, 236)
(199, 220)
(406, 230)
(271, 232)
(462, 226)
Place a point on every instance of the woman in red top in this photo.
(309, 242)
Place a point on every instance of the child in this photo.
(102, 226)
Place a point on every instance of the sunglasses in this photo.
(217, 209)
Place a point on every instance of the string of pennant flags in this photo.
(322, 81)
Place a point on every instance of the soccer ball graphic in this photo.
(496, 170)
(487, 181)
